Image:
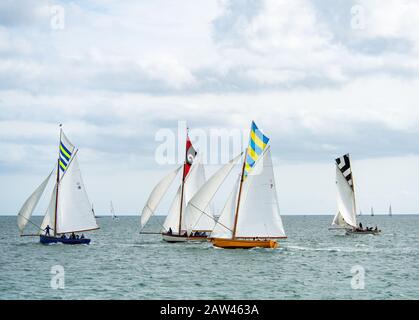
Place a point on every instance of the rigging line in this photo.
(31, 222)
(163, 227)
(210, 217)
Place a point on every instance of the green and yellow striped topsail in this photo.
(66, 151)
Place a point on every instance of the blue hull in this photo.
(49, 240)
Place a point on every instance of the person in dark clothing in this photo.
(82, 236)
(47, 229)
(73, 236)
(360, 226)
(170, 231)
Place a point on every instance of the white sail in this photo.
(346, 215)
(225, 224)
(197, 215)
(113, 211)
(259, 209)
(49, 218)
(203, 222)
(172, 219)
(193, 182)
(195, 179)
(30, 204)
(74, 209)
(338, 221)
(156, 196)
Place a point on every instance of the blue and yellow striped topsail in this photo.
(66, 151)
(258, 143)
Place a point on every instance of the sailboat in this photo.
(69, 209)
(345, 219)
(114, 217)
(179, 226)
(251, 218)
(390, 211)
(372, 211)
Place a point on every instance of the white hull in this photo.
(174, 238)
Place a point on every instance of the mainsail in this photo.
(74, 211)
(192, 183)
(30, 204)
(259, 209)
(172, 219)
(346, 216)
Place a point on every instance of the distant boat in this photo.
(251, 218)
(346, 218)
(390, 211)
(372, 211)
(69, 210)
(114, 217)
(182, 225)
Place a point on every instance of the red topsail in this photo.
(190, 156)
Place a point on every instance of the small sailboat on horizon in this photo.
(390, 211)
(346, 217)
(114, 217)
(69, 209)
(372, 211)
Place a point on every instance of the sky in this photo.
(320, 78)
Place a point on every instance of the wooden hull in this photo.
(243, 244)
(173, 238)
(49, 240)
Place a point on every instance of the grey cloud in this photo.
(23, 13)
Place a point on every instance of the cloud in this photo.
(120, 71)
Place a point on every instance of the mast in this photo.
(236, 218)
(58, 182)
(353, 186)
(183, 186)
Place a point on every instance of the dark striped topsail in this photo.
(344, 165)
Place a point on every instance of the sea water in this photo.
(313, 263)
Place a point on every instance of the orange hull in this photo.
(243, 244)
